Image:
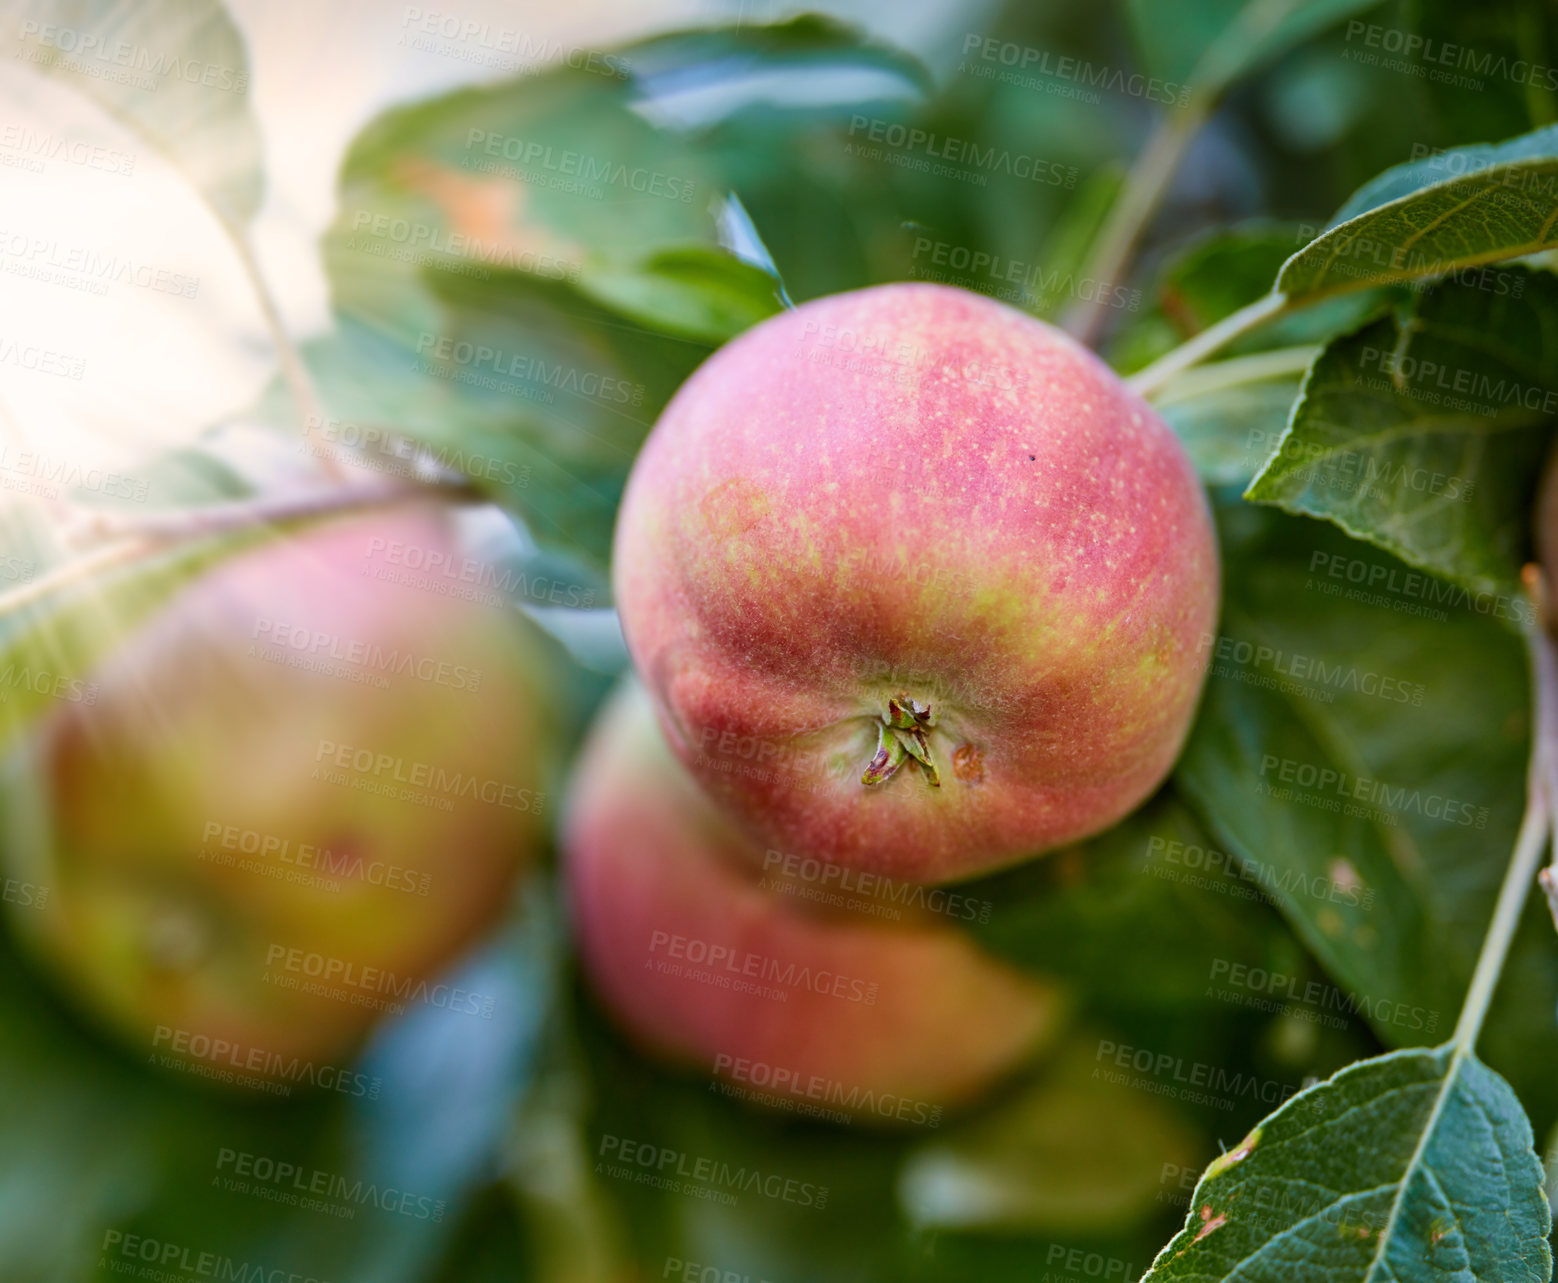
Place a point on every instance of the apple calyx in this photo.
(899, 736)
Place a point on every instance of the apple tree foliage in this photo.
(1293, 1054)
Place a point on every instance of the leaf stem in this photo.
(299, 382)
(1147, 381)
(1258, 367)
(1138, 201)
(1535, 828)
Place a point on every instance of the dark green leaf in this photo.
(1415, 1167)
(1439, 214)
(1450, 165)
(1228, 430)
(1215, 276)
(1128, 917)
(1361, 749)
(1069, 1153)
(1424, 431)
(1491, 64)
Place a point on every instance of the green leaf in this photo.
(109, 1146)
(1500, 56)
(557, 175)
(693, 290)
(1486, 160)
(1069, 1153)
(566, 225)
(1361, 750)
(1415, 1167)
(696, 77)
(1424, 431)
(1218, 274)
(1227, 429)
(1345, 750)
(174, 72)
(1122, 919)
(1439, 214)
(538, 396)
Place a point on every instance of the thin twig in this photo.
(1535, 829)
(1212, 339)
(117, 539)
(305, 397)
(1145, 187)
(1258, 367)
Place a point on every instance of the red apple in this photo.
(785, 989)
(290, 798)
(917, 584)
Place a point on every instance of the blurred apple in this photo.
(860, 1005)
(289, 800)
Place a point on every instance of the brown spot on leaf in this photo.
(1209, 1223)
(489, 210)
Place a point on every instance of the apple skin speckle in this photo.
(828, 515)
